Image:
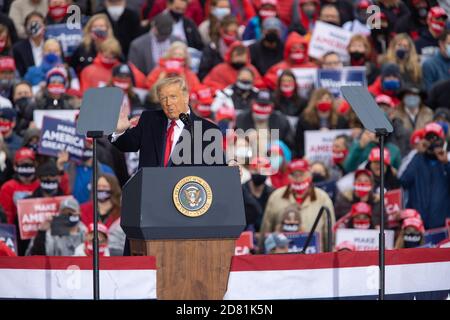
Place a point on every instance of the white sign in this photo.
(319, 144)
(327, 37)
(364, 240)
(306, 79)
(38, 115)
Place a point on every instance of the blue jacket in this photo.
(435, 69)
(428, 185)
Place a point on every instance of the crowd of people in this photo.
(240, 60)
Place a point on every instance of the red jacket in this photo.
(376, 89)
(271, 76)
(194, 11)
(5, 251)
(223, 75)
(87, 215)
(280, 179)
(14, 190)
(97, 74)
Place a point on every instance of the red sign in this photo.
(32, 212)
(244, 243)
(393, 202)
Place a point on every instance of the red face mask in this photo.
(324, 106)
(437, 26)
(121, 83)
(298, 57)
(362, 189)
(267, 13)
(89, 249)
(228, 39)
(56, 88)
(57, 12)
(287, 90)
(339, 156)
(361, 223)
(107, 62)
(300, 189)
(5, 126)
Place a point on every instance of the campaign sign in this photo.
(305, 78)
(364, 240)
(327, 37)
(8, 236)
(244, 244)
(69, 38)
(319, 144)
(298, 240)
(393, 202)
(68, 115)
(435, 236)
(60, 135)
(334, 79)
(32, 212)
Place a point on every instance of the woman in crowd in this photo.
(286, 96)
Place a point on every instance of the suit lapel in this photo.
(159, 136)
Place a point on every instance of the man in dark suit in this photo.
(163, 139)
(29, 52)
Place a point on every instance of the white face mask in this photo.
(115, 12)
(219, 13)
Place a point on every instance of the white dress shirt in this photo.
(38, 52)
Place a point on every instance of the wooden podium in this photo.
(193, 253)
(189, 269)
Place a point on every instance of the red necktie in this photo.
(169, 142)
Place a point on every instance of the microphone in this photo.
(187, 122)
(184, 118)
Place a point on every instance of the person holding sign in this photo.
(360, 216)
(302, 192)
(295, 56)
(320, 114)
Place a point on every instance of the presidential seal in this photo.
(192, 196)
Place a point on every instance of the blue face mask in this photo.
(391, 85)
(51, 58)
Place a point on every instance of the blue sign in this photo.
(298, 240)
(434, 236)
(60, 135)
(8, 235)
(333, 79)
(67, 35)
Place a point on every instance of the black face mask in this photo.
(258, 179)
(23, 103)
(26, 171)
(71, 220)
(317, 178)
(49, 186)
(412, 240)
(103, 195)
(272, 38)
(175, 15)
(357, 56)
(237, 65)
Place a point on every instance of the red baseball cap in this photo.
(363, 171)
(416, 136)
(7, 64)
(24, 154)
(436, 13)
(361, 208)
(375, 155)
(413, 222)
(101, 228)
(298, 165)
(225, 113)
(435, 128)
(409, 213)
(384, 99)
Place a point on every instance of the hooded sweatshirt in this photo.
(224, 74)
(270, 78)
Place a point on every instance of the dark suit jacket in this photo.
(149, 138)
(193, 37)
(23, 55)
